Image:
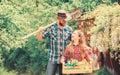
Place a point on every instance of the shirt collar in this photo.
(76, 45)
(64, 28)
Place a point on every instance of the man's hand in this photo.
(39, 34)
(41, 29)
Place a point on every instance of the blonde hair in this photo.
(82, 42)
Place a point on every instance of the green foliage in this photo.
(105, 33)
(21, 17)
(3, 71)
(29, 59)
(103, 71)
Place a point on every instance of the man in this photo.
(59, 35)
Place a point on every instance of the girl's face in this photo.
(75, 36)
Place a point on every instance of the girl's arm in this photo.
(62, 60)
(64, 56)
(87, 55)
(67, 55)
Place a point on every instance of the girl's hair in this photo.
(82, 42)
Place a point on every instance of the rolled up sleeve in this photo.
(46, 33)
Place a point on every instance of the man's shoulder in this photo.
(68, 27)
(53, 26)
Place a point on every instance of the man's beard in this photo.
(61, 24)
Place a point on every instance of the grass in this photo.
(102, 71)
(3, 71)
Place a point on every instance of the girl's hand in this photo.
(62, 60)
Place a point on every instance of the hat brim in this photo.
(68, 17)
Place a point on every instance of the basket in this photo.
(82, 68)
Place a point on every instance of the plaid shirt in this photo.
(77, 54)
(58, 39)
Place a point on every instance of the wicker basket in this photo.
(83, 68)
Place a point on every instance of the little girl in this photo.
(77, 49)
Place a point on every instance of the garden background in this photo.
(29, 57)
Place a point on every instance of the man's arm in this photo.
(39, 34)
